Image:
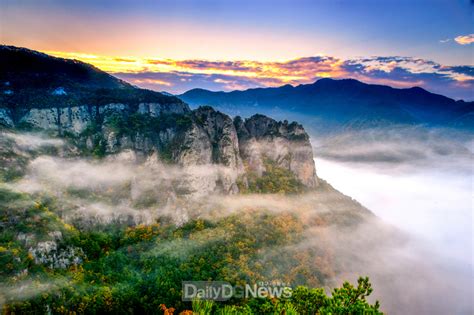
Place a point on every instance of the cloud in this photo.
(461, 40)
(32, 140)
(398, 149)
(152, 82)
(403, 72)
(178, 82)
(465, 39)
(124, 60)
(426, 178)
(467, 70)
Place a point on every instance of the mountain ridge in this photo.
(320, 81)
(24, 60)
(343, 101)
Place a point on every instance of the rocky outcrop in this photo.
(203, 137)
(46, 118)
(262, 138)
(223, 136)
(194, 147)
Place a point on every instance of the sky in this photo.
(224, 45)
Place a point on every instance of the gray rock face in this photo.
(5, 117)
(224, 145)
(195, 147)
(210, 142)
(157, 109)
(223, 136)
(47, 118)
(74, 118)
(285, 144)
(108, 109)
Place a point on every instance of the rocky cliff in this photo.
(286, 144)
(70, 101)
(76, 118)
(177, 135)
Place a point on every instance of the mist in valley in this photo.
(418, 180)
(416, 250)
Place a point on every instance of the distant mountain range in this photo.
(343, 102)
(30, 79)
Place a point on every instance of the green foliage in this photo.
(274, 179)
(286, 308)
(139, 268)
(235, 310)
(131, 96)
(351, 300)
(26, 126)
(13, 164)
(95, 244)
(347, 300)
(202, 307)
(145, 124)
(99, 149)
(308, 301)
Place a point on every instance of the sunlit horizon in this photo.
(178, 76)
(180, 45)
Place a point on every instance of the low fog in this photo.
(417, 251)
(420, 181)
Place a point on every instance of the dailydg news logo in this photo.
(223, 291)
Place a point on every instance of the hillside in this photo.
(28, 68)
(344, 101)
(33, 80)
